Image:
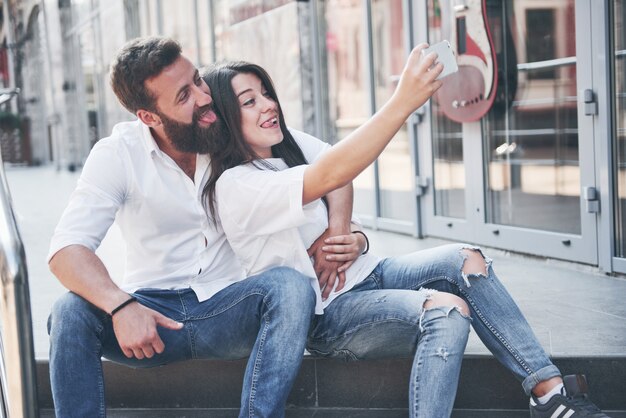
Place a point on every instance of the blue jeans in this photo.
(380, 318)
(265, 318)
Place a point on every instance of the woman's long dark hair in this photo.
(231, 149)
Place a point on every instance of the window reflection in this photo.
(205, 32)
(540, 45)
(178, 18)
(531, 132)
(395, 170)
(348, 94)
(267, 34)
(447, 141)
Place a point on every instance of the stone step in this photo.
(329, 388)
(310, 413)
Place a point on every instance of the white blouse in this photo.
(267, 226)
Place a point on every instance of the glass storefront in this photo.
(509, 178)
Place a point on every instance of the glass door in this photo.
(619, 131)
(521, 176)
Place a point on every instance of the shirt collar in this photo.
(148, 140)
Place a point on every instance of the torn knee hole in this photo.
(447, 300)
(474, 263)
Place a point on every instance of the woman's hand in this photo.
(418, 79)
(327, 271)
(341, 250)
(344, 248)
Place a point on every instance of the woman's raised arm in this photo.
(344, 161)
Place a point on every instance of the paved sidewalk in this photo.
(574, 309)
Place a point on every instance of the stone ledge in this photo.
(326, 383)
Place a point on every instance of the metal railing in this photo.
(18, 385)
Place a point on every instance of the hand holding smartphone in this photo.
(445, 56)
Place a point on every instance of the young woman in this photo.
(269, 201)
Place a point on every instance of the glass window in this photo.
(179, 23)
(531, 131)
(205, 32)
(114, 24)
(447, 138)
(619, 81)
(267, 34)
(149, 16)
(348, 92)
(394, 165)
(88, 65)
(540, 42)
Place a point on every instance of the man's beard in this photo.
(191, 137)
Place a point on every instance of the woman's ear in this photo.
(149, 118)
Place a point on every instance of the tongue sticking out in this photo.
(269, 123)
(208, 117)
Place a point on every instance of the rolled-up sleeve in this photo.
(260, 202)
(100, 191)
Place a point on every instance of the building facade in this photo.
(540, 170)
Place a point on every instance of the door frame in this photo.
(603, 69)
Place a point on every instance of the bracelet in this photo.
(367, 242)
(122, 305)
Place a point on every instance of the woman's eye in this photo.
(267, 94)
(248, 102)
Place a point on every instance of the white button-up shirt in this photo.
(170, 242)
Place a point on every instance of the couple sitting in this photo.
(223, 208)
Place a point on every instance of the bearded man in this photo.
(184, 294)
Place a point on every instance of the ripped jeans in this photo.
(380, 318)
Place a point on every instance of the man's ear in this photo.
(149, 118)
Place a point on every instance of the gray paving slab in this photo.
(575, 309)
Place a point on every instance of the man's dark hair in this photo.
(138, 61)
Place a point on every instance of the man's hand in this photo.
(135, 327)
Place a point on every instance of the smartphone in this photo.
(445, 55)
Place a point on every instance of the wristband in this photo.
(367, 242)
(122, 305)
